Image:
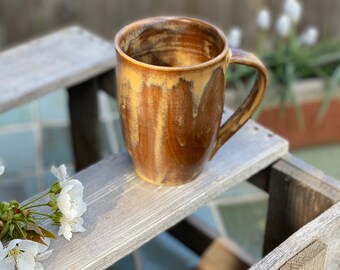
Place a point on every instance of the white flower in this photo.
(61, 174)
(293, 9)
(234, 37)
(283, 25)
(264, 19)
(310, 36)
(70, 201)
(23, 254)
(2, 169)
(69, 226)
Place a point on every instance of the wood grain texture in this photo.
(62, 59)
(297, 195)
(125, 212)
(311, 258)
(325, 228)
(85, 126)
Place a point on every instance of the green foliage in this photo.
(290, 58)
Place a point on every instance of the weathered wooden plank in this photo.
(107, 82)
(325, 228)
(261, 179)
(311, 258)
(124, 212)
(62, 59)
(85, 129)
(297, 196)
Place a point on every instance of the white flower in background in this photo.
(2, 169)
(264, 19)
(293, 9)
(234, 37)
(69, 226)
(310, 36)
(61, 174)
(23, 254)
(283, 25)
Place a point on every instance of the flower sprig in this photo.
(290, 56)
(63, 205)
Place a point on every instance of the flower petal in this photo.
(29, 247)
(2, 169)
(65, 229)
(25, 261)
(7, 264)
(43, 248)
(44, 256)
(13, 243)
(38, 266)
(3, 252)
(60, 172)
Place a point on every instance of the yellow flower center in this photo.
(14, 252)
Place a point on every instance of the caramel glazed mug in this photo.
(171, 75)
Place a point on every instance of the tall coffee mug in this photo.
(171, 74)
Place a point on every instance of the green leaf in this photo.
(331, 87)
(35, 228)
(11, 229)
(33, 236)
(48, 234)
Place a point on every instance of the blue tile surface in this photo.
(119, 134)
(21, 114)
(206, 216)
(126, 263)
(17, 187)
(53, 106)
(57, 146)
(17, 150)
(166, 253)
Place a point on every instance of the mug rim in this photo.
(205, 64)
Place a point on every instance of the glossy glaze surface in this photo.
(171, 75)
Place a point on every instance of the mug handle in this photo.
(252, 101)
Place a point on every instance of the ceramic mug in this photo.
(171, 75)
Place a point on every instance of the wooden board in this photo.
(325, 228)
(124, 212)
(298, 194)
(61, 59)
(311, 258)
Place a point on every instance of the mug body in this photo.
(171, 80)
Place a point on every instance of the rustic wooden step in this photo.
(315, 246)
(59, 60)
(125, 212)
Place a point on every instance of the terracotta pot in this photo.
(314, 131)
(309, 94)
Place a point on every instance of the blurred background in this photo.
(36, 135)
(20, 20)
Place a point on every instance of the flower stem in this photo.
(36, 199)
(37, 205)
(41, 214)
